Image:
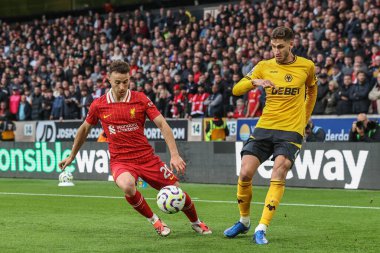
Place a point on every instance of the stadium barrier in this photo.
(196, 131)
(52, 131)
(25, 131)
(231, 124)
(327, 165)
(336, 128)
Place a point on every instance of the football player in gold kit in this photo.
(291, 90)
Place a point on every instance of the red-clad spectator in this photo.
(14, 102)
(375, 50)
(253, 106)
(178, 102)
(133, 68)
(198, 107)
(4, 112)
(239, 111)
(108, 6)
(143, 29)
(196, 73)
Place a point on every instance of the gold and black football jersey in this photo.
(286, 108)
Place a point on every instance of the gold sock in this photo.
(244, 196)
(272, 200)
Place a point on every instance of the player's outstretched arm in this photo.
(243, 86)
(80, 138)
(246, 84)
(176, 160)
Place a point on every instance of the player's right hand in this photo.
(264, 83)
(65, 162)
(178, 163)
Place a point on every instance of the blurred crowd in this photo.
(54, 69)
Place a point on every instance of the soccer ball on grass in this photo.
(171, 199)
(65, 179)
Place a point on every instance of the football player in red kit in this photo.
(122, 113)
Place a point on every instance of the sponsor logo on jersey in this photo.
(112, 130)
(106, 116)
(285, 91)
(288, 78)
(132, 113)
(123, 128)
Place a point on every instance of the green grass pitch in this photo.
(78, 219)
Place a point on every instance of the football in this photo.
(65, 179)
(171, 199)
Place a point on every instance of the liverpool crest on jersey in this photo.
(132, 113)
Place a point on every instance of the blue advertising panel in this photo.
(245, 128)
(337, 128)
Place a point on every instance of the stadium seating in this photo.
(50, 61)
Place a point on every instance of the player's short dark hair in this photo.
(283, 33)
(120, 67)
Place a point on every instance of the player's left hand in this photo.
(176, 162)
(264, 83)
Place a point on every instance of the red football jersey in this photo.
(123, 122)
(253, 101)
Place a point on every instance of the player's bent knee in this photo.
(126, 183)
(129, 189)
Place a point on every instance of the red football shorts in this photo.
(154, 172)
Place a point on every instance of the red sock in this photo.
(139, 204)
(189, 209)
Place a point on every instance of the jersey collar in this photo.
(291, 62)
(111, 99)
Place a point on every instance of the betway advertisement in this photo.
(330, 165)
(324, 165)
(337, 128)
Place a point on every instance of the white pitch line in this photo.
(195, 200)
